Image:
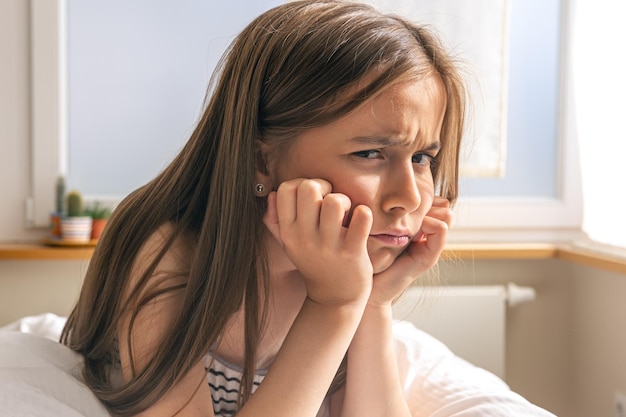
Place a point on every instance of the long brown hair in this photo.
(299, 65)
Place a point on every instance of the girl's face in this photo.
(380, 156)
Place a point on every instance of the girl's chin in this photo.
(381, 264)
(383, 258)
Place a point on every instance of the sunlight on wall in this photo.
(600, 83)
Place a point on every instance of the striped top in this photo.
(224, 379)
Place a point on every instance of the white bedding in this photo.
(40, 377)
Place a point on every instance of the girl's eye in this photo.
(423, 159)
(368, 154)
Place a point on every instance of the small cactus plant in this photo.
(74, 204)
(59, 194)
(76, 226)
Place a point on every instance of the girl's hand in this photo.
(421, 255)
(308, 220)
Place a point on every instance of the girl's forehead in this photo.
(429, 83)
(409, 113)
(426, 96)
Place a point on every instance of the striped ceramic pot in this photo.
(76, 229)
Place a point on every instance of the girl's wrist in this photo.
(379, 305)
(352, 308)
(378, 312)
(357, 299)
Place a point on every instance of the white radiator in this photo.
(471, 321)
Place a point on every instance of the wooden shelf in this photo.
(594, 259)
(34, 251)
(461, 251)
(453, 251)
(469, 251)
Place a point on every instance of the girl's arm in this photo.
(307, 220)
(306, 363)
(373, 385)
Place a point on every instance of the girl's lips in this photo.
(392, 240)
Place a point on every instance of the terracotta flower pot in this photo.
(55, 224)
(97, 228)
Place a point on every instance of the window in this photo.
(539, 191)
(600, 84)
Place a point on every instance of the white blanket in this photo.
(40, 377)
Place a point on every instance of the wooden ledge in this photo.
(33, 251)
(593, 258)
(469, 251)
(461, 251)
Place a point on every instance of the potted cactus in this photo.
(76, 224)
(57, 215)
(100, 215)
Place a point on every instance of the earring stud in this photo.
(260, 188)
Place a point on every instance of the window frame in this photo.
(529, 218)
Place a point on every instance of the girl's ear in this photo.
(264, 184)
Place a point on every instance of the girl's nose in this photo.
(401, 192)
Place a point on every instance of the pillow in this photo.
(437, 383)
(48, 325)
(41, 377)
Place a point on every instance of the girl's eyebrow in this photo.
(384, 141)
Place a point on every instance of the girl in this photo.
(271, 248)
